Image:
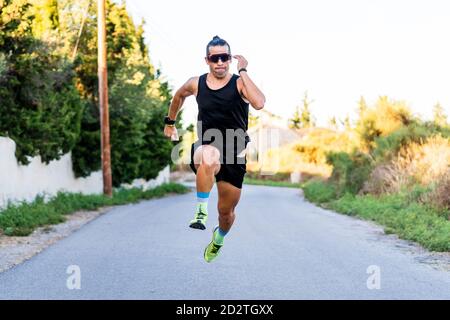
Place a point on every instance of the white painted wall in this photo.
(163, 177)
(18, 182)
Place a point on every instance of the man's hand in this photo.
(249, 90)
(242, 62)
(171, 132)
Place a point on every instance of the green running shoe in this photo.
(199, 221)
(212, 250)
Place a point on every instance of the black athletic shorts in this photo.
(232, 173)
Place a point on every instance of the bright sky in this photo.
(335, 50)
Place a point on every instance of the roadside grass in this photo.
(398, 213)
(319, 192)
(23, 218)
(260, 182)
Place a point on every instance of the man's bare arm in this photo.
(249, 90)
(186, 90)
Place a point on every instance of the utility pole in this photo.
(103, 98)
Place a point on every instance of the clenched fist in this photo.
(171, 132)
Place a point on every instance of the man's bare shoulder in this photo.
(193, 81)
(240, 87)
(193, 84)
(190, 87)
(239, 83)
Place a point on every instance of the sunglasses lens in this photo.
(223, 57)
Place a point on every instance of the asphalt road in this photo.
(281, 247)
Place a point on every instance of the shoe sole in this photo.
(197, 225)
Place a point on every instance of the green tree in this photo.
(306, 118)
(295, 121)
(385, 117)
(46, 16)
(302, 118)
(347, 123)
(138, 100)
(332, 123)
(40, 107)
(439, 115)
(49, 94)
(362, 106)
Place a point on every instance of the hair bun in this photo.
(217, 41)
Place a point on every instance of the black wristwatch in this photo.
(242, 69)
(168, 121)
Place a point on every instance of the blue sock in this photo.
(219, 236)
(202, 201)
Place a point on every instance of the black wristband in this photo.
(242, 69)
(169, 121)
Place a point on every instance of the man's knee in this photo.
(225, 210)
(210, 155)
(210, 159)
(210, 168)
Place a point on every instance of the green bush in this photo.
(319, 191)
(350, 171)
(387, 147)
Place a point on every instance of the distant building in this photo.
(271, 131)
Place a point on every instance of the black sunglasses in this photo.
(224, 57)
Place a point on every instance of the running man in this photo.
(223, 103)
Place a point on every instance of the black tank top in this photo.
(222, 109)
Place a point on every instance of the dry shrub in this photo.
(440, 194)
(416, 163)
(386, 178)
